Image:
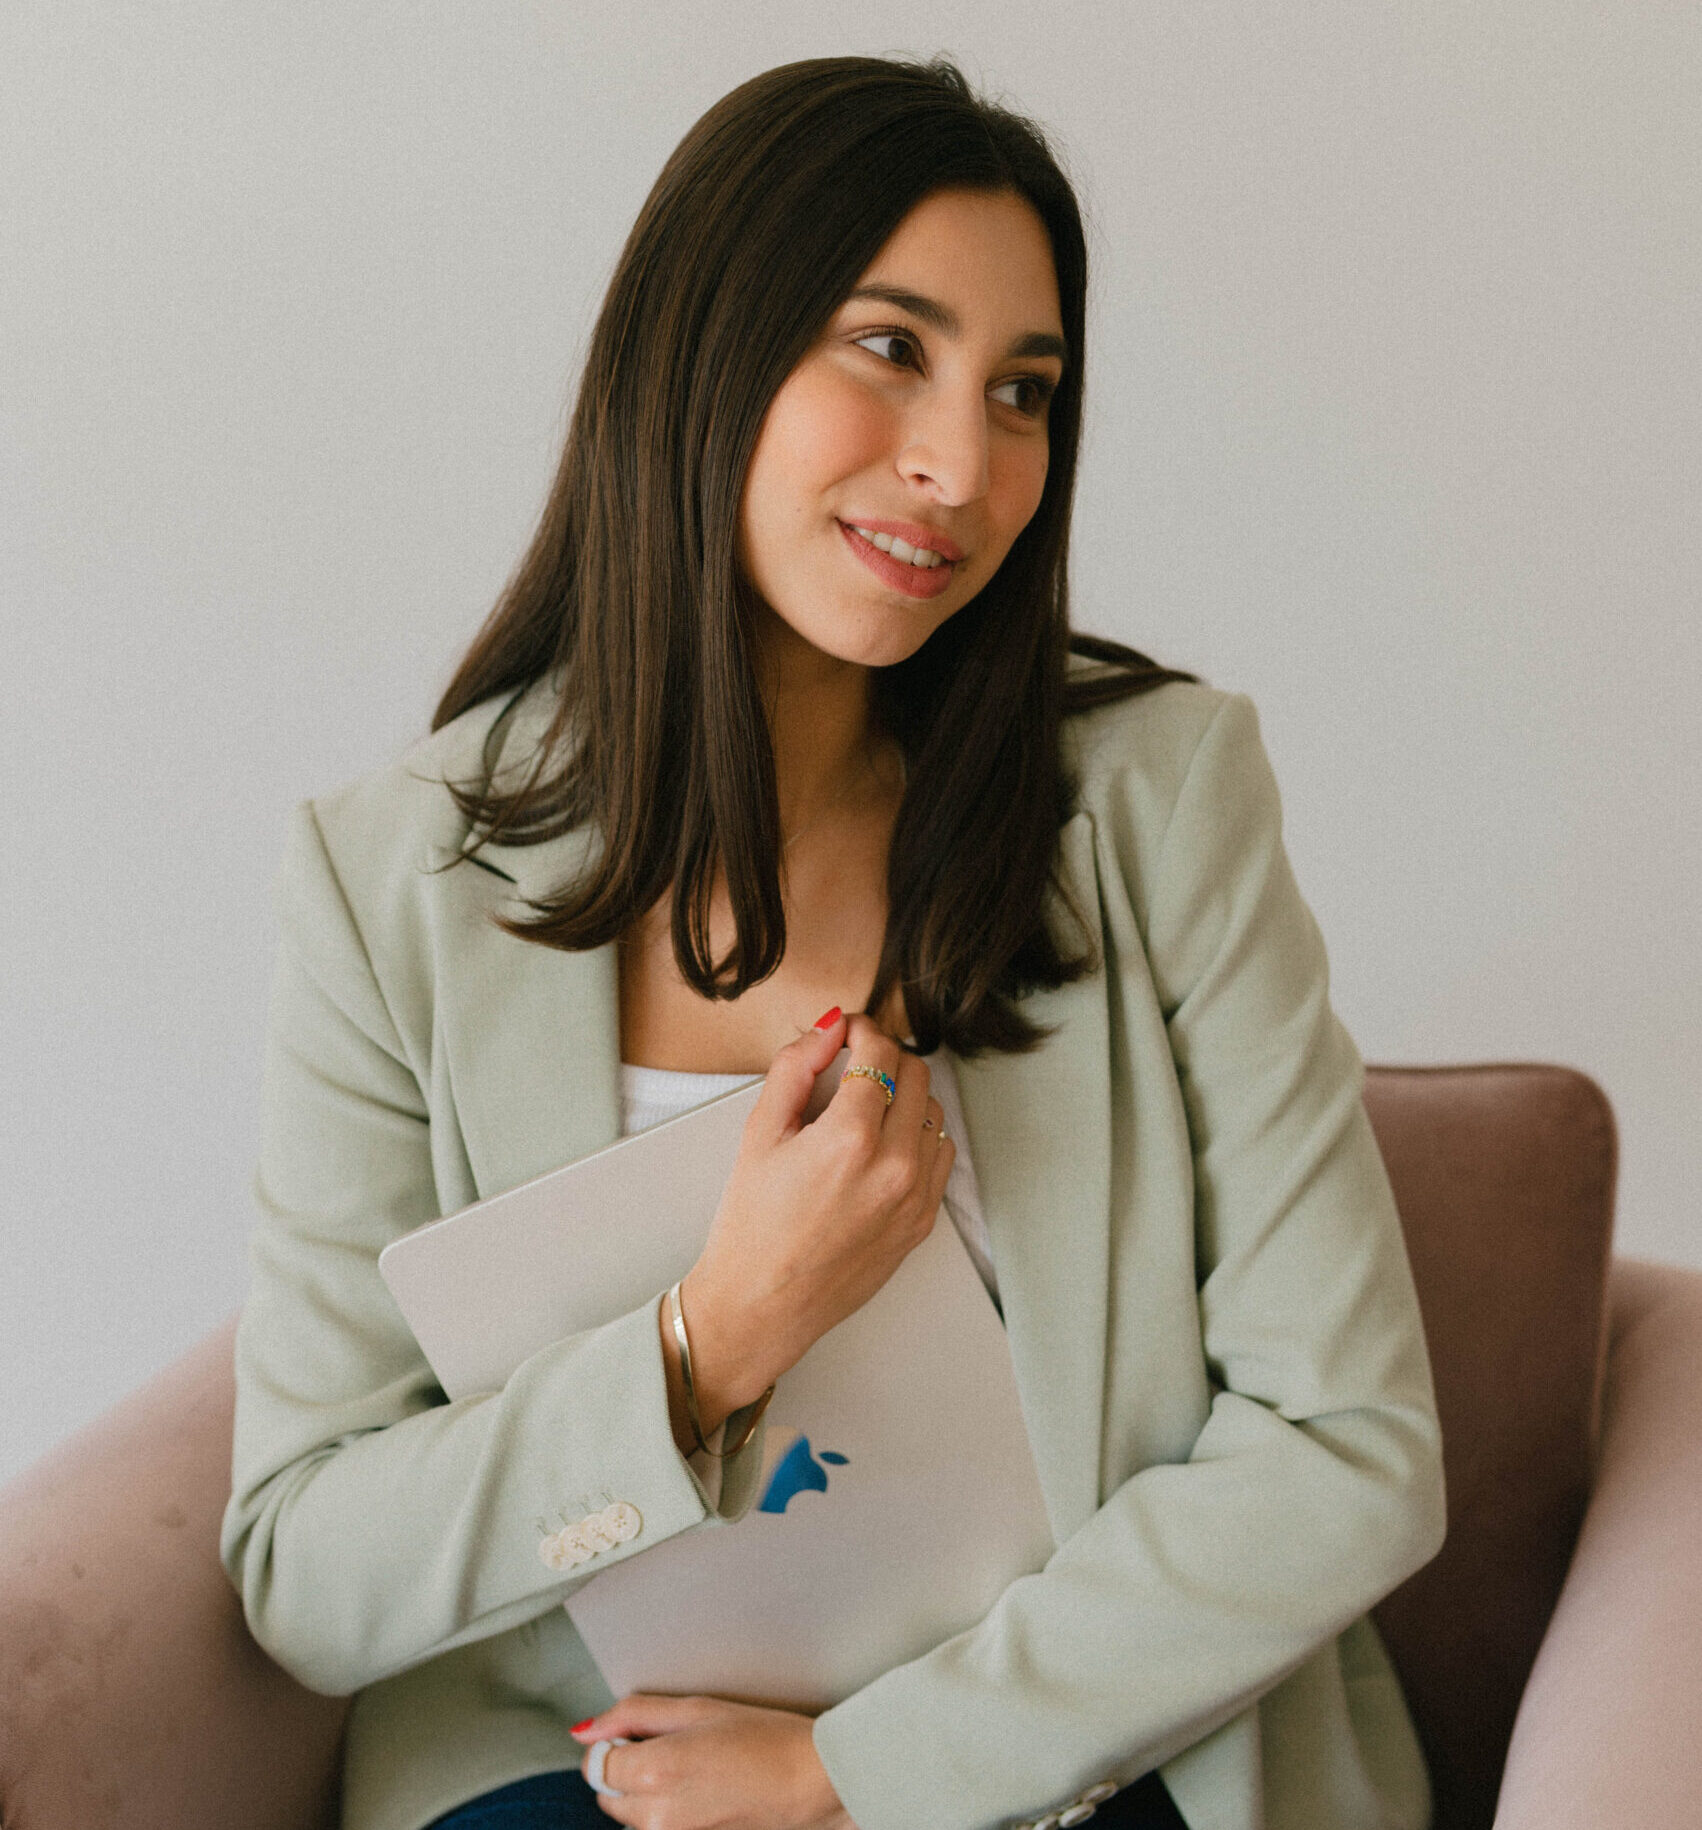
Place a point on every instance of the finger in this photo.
(623, 1768)
(910, 1102)
(902, 1139)
(791, 1077)
(922, 1210)
(643, 1713)
(945, 1154)
(860, 1096)
(933, 1121)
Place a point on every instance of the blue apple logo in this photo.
(798, 1471)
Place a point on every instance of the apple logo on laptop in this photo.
(799, 1470)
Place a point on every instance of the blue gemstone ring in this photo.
(872, 1073)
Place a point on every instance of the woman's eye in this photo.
(887, 336)
(1039, 389)
(1040, 392)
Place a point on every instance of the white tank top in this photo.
(650, 1095)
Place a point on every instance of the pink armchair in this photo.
(1552, 1653)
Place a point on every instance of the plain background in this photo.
(1393, 424)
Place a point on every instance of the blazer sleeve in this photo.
(372, 1523)
(1315, 1485)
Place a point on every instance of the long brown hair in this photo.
(761, 222)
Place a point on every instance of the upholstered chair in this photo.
(1551, 1654)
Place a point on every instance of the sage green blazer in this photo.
(1210, 1310)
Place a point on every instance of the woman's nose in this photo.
(945, 443)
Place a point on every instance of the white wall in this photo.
(1394, 426)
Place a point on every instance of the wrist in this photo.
(730, 1369)
(717, 1387)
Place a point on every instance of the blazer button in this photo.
(598, 1532)
(1097, 1795)
(553, 1552)
(577, 1544)
(624, 1521)
(1077, 1814)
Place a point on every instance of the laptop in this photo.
(898, 1496)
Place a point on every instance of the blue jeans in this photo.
(563, 1801)
(547, 1801)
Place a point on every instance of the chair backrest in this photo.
(1504, 1177)
(131, 1692)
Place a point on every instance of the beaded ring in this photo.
(872, 1073)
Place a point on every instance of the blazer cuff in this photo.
(727, 1486)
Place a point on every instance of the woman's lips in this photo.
(913, 581)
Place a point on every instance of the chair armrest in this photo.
(131, 1693)
(1609, 1730)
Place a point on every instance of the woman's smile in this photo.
(901, 574)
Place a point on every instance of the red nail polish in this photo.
(829, 1020)
(581, 1725)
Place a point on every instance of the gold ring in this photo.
(889, 1085)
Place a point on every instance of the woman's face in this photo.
(926, 417)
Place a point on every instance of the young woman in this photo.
(782, 714)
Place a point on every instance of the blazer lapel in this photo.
(1039, 1139)
(531, 1034)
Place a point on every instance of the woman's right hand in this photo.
(814, 1218)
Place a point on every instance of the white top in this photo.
(650, 1095)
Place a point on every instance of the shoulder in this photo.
(1178, 787)
(368, 844)
(1140, 751)
(1148, 727)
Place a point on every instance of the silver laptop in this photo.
(898, 1496)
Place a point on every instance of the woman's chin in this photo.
(885, 654)
(869, 646)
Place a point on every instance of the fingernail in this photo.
(580, 1727)
(828, 1021)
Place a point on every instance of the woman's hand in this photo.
(701, 1763)
(814, 1218)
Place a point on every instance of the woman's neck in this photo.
(827, 752)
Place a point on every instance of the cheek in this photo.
(820, 429)
(1016, 488)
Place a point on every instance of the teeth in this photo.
(924, 557)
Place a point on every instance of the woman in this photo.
(724, 757)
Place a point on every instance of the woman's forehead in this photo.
(967, 255)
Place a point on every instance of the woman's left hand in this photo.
(702, 1763)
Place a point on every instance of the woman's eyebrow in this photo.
(945, 320)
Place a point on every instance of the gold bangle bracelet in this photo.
(692, 1415)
